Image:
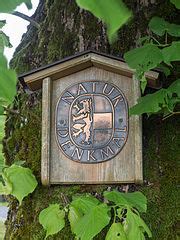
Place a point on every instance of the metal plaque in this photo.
(91, 121)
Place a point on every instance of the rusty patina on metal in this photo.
(91, 121)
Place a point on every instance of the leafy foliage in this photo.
(52, 219)
(114, 13)
(19, 182)
(159, 26)
(143, 59)
(88, 216)
(116, 232)
(171, 53)
(154, 54)
(10, 5)
(135, 199)
(176, 3)
(165, 99)
(134, 226)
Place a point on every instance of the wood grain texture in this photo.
(46, 129)
(34, 80)
(125, 166)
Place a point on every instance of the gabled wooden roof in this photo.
(79, 62)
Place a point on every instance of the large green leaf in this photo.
(114, 13)
(52, 219)
(84, 203)
(92, 222)
(74, 216)
(151, 103)
(171, 53)
(7, 84)
(176, 3)
(80, 206)
(144, 58)
(159, 26)
(22, 180)
(116, 232)
(10, 5)
(135, 227)
(135, 199)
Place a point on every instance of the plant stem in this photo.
(170, 115)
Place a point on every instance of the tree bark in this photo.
(65, 30)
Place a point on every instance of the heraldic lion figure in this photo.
(84, 116)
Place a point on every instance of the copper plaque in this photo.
(91, 121)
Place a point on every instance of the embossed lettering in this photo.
(78, 153)
(106, 152)
(117, 99)
(81, 89)
(68, 99)
(110, 91)
(117, 140)
(90, 156)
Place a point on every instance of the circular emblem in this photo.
(91, 121)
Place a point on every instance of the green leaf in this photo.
(22, 180)
(74, 216)
(114, 13)
(144, 58)
(176, 3)
(171, 53)
(166, 70)
(3, 61)
(4, 41)
(84, 203)
(2, 124)
(6, 188)
(80, 206)
(159, 26)
(92, 222)
(151, 103)
(7, 84)
(10, 5)
(175, 87)
(135, 227)
(143, 82)
(116, 232)
(2, 23)
(135, 199)
(52, 219)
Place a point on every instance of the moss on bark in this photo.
(65, 30)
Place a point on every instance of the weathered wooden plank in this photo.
(122, 167)
(46, 129)
(34, 80)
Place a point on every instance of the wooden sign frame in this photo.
(126, 167)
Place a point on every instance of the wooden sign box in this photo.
(72, 97)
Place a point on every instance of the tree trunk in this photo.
(64, 31)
